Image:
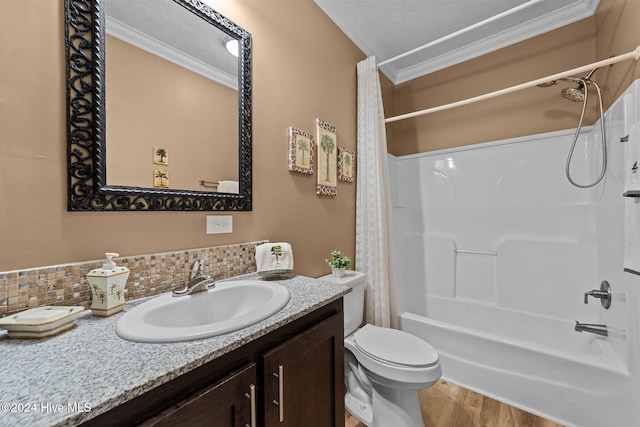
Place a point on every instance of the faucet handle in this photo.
(604, 294)
(197, 267)
(594, 293)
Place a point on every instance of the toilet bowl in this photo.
(384, 368)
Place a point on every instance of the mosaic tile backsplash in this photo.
(151, 274)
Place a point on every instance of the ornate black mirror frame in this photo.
(86, 142)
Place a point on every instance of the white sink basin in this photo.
(226, 308)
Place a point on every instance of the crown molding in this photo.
(526, 30)
(142, 41)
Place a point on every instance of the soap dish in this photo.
(276, 274)
(40, 322)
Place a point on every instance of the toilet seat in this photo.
(395, 358)
(395, 347)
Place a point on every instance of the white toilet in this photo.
(384, 368)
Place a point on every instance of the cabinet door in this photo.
(230, 402)
(303, 378)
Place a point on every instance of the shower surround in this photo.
(495, 250)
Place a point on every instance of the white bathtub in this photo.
(495, 250)
(513, 357)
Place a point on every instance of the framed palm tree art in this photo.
(161, 178)
(327, 158)
(160, 156)
(346, 164)
(300, 151)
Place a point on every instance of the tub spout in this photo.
(593, 328)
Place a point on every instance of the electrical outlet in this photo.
(217, 224)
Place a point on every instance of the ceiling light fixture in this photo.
(232, 46)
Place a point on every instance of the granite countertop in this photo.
(88, 370)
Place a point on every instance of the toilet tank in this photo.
(353, 301)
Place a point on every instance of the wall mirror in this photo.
(159, 112)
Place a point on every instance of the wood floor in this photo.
(448, 405)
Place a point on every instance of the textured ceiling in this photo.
(387, 28)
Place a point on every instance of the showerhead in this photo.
(574, 94)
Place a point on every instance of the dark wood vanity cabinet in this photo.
(303, 378)
(296, 373)
(230, 402)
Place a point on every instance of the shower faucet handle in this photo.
(595, 293)
(604, 294)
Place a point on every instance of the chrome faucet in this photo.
(604, 294)
(593, 328)
(198, 281)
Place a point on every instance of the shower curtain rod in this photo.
(615, 59)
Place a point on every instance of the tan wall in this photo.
(612, 31)
(304, 67)
(525, 112)
(617, 32)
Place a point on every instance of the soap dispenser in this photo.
(107, 287)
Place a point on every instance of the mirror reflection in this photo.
(171, 99)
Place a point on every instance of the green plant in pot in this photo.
(338, 263)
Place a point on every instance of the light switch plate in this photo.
(217, 224)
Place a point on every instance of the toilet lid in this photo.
(395, 346)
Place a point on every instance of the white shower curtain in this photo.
(374, 240)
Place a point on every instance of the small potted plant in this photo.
(338, 263)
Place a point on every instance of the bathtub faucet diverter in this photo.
(593, 328)
(604, 294)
